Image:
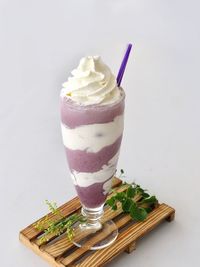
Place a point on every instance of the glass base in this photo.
(96, 233)
(93, 239)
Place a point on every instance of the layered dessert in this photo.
(92, 108)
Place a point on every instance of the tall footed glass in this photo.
(92, 137)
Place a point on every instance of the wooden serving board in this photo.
(60, 252)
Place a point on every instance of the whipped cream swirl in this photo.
(92, 83)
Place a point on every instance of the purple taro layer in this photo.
(91, 195)
(74, 115)
(83, 161)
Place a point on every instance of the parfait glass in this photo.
(92, 137)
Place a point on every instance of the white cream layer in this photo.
(93, 137)
(85, 179)
(107, 186)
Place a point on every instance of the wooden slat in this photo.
(40, 253)
(135, 231)
(66, 209)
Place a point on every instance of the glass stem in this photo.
(93, 216)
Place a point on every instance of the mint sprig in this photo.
(138, 210)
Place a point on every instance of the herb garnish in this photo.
(59, 225)
(138, 210)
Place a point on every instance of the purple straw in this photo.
(123, 65)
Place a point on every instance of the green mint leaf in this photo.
(121, 196)
(149, 209)
(138, 214)
(149, 200)
(122, 171)
(111, 201)
(140, 190)
(126, 205)
(145, 195)
(114, 207)
(130, 192)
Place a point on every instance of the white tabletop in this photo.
(40, 43)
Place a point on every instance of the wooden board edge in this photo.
(44, 255)
(169, 218)
(129, 248)
(160, 215)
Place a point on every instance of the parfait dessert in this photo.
(92, 116)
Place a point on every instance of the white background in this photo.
(41, 41)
